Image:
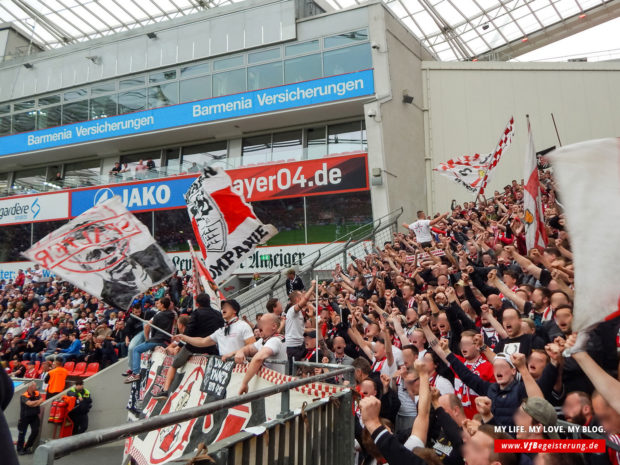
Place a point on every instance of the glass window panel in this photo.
(49, 100)
(4, 183)
(317, 142)
(173, 229)
(302, 68)
(162, 95)
(75, 94)
(345, 39)
(226, 63)
(345, 137)
(264, 55)
(364, 137)
(103, 88)
(287, 146)
(200, 156)
(25, 105)
(75, 112)
(13, 240)
(195, 70)
(173, 160)
(134, 81)
(6, 108)
(347, 60)
(163, 76)
(43, 228)
(82, 173)
(263, 76)
(330, 217)
(256, 149)
(49, 117)
(287, 215)
(102, 107)
(5, 125)
(195, 89)
(134, 100)
(30, 180)
(229, 82)
(23, 122)
(300, 49)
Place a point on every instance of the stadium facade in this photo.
(324, 120)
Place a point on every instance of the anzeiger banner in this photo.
(313, 177)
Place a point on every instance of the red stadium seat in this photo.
(69, 366)
(12, 365)
(91, 369)
(79, 369)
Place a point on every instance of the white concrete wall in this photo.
(470, 103)
(395, 134)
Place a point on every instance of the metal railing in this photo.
(341, 416)
(319, 263)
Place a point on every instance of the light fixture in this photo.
(582, 15)
(407, 98)
(485, 27)
(95, 59)
(151, 35)
(28, 65)
(524, 39)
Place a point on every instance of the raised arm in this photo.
(508, 293)
(531, 386)
(434, 221)
(420, 424)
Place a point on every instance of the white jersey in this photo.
(294, 327)
(422, 230)
(278, 350)
(238, 333)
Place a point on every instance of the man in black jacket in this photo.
(30, 402)
(203, 322)
(293, 282)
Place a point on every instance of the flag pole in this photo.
(194, 272)
(316, 316)
(556, 128)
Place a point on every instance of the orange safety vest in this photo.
(58, 377)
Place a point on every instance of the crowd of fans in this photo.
(456, 333)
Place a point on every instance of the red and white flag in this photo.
(473, 171)
(504, 142)
(588, 176)
(535, 233)
(225, 226)
(202, 278)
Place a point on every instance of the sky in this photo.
(599, 43)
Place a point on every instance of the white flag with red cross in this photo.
(588, 176)
(535, 233)
(225, 226)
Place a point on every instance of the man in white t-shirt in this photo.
(269, 347)
(422, 228)
(294, 328)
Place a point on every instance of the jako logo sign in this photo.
(139, 196)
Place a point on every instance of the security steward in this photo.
(83, 403)
(28, 416)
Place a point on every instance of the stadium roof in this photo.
(451, 29)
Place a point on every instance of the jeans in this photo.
(64, 357)
(135, 341)
(137, 353)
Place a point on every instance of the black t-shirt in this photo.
(165, 321)
(523, 344)
(363, 293)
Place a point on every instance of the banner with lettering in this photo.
(201, 380)
(105, 251)
(225, 226)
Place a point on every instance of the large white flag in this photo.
(105, 251)
(588, 175)
(225, 226)
(473, 171)
(535, 233)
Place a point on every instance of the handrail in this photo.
(46, 453)
(392, 216)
